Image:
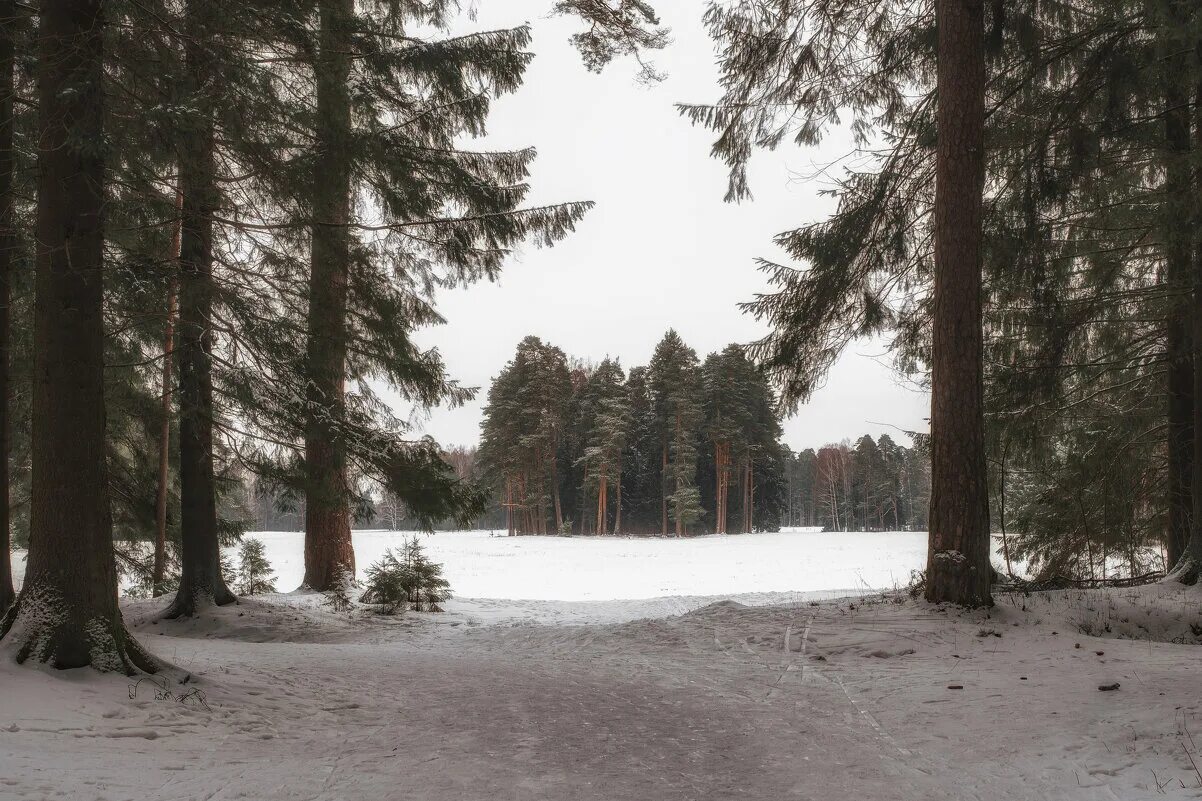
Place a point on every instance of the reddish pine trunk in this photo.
(201, 582)
(67, 614)
(328, 550)
(8, 245)
(160, 500)
(958, 567)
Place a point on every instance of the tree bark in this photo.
(618, 502)
(201, 583)
(67, 613)
(329, 553)
(555, 490)
(8, 247)
(958, 568)
(160, 500)
(664, 488)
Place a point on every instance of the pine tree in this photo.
(674, 382)
(608, 430)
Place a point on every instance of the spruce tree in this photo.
(437, 214)
(254, 571)
(67, 613)
(201, 581)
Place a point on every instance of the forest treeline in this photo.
(678, 446)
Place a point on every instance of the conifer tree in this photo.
(201, 580)
(254, 571)
(675, 384)
(392, 121)
(608, 430)
(67, 614)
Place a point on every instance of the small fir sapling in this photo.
(338, 597)
(385, 585)
(428, 589)
(254, 571)
(406, 580)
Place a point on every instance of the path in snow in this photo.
(838, 700)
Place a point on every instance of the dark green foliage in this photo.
(406, 580)
(1088, 196)
(614, 432)
(254, 571)
(616, 28)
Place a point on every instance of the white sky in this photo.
(660, 249)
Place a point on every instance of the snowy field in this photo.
(481, 564)
(662, 689)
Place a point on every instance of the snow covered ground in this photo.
(482, 564)
(678, 697)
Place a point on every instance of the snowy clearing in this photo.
(870, 698)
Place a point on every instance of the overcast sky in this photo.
(660, 250)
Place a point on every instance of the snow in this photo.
(482, 564)
(784, 694)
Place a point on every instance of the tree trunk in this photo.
(1178, 274)
(601, 489)
(664, 488)
(555, 491)
(67, 613)
(201, 582)
(8, 246)
(958, 568)
(618, 503)
(329, 554)
(750, 495)
(160, 500)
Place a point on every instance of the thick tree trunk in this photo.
(329, 554)
(8, 247)
(67, 613)
(1178, 274)
(160, 500)
(201, 583)
(958, 568)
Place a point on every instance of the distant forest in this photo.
(680, 446)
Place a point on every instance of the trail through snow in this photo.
(767, 697)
